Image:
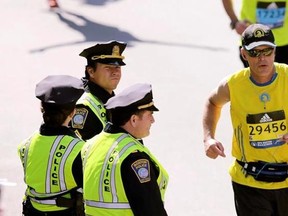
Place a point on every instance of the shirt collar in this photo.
(48, 130)
(99, 92)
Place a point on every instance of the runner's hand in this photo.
(214, 148)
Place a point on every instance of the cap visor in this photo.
(259, 43)
(153, 108)
(116, 62)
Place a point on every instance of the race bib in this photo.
(266, 129)
(271, 14)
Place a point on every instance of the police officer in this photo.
(102, 75)
(121, 176)
(51, 157)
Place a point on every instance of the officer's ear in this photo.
(90, 70)
(133, 120)
(243, 54)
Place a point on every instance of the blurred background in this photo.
(183, 48)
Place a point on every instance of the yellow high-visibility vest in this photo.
(104, 193)
(47, 163)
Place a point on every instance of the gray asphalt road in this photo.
(183, 48)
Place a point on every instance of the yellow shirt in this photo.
(259, 117)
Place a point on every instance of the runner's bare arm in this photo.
(212, 111)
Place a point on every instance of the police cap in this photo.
(59, 89)
(106, 53)
(136, 97)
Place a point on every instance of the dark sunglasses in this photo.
(257, 53)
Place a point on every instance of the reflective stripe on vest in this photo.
(51, 201)
(25, 155)
(95, 105)
(45, 202)
(113, 186)
(107, 205)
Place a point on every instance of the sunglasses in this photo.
(257, 53)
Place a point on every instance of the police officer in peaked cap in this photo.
(102, 76)
(121, 176)
(51, 157)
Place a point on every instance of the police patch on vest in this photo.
(142, 170)
(79, 118)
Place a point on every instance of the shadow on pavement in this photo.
(96, 32)
(98, 2)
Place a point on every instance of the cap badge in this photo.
(258, 33)
(116, 51)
